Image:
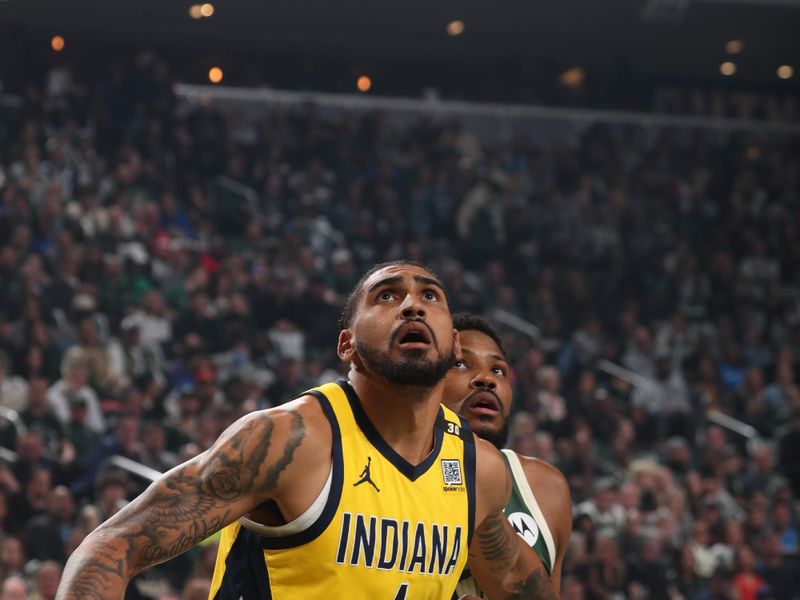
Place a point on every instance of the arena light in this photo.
(455, 28)
(195, 11)
(215, 74)
(57, 43)
(206, 9)
(734, 46)
(573, 77)
(364, 84)
(785, 72)
(727, 68)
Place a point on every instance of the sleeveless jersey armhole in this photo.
(327, 509)
(530, 501)
(299, 524)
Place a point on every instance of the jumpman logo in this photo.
(365, 476)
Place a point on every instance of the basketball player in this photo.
(371, 488)
(477, 387)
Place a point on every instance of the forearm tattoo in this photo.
(537, 586)
(500, 550)
(181, 510)
(497, 545)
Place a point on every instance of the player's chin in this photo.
(495, 435)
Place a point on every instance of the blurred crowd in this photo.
(165, 269)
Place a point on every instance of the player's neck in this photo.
(403, 415)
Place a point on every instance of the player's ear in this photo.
(346, 346)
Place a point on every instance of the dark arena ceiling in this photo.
(668, 40)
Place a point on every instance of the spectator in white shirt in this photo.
(14, 389)
(75, 375)
(152, 319)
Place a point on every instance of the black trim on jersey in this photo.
(335, 495)
(245, 570)
(412, 472)
(469, 477)
(465, 433)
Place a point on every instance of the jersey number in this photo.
(401, 593)
(453, 428)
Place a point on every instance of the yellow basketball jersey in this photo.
(389, 530)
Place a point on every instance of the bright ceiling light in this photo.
(215, 74)
(727, 68)
(364, 84)
(57, 43)
(785, 72)
(195, 11)
(206, 9)
(455, 28)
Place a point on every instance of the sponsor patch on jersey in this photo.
(451, 471)
(525, 527)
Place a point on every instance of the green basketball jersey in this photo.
(526, 518)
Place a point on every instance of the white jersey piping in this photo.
(299, 524)
(530, 501)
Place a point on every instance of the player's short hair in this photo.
(470, 322)
(349, 309)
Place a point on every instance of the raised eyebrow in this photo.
(429, 281)
(384, 282)
(497, 357)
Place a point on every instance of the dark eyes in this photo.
(460, 364)
(429, 295)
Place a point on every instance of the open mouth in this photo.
(482, 403)
(414, 335)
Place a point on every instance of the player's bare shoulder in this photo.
(552, 494)
(545, 479)
(493, 482)
(265, 449)
(314, 419)
(302, 431)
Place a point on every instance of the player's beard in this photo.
(496, 437)
(413, 369)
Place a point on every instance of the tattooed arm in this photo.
(503, 565)
(187, 504)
